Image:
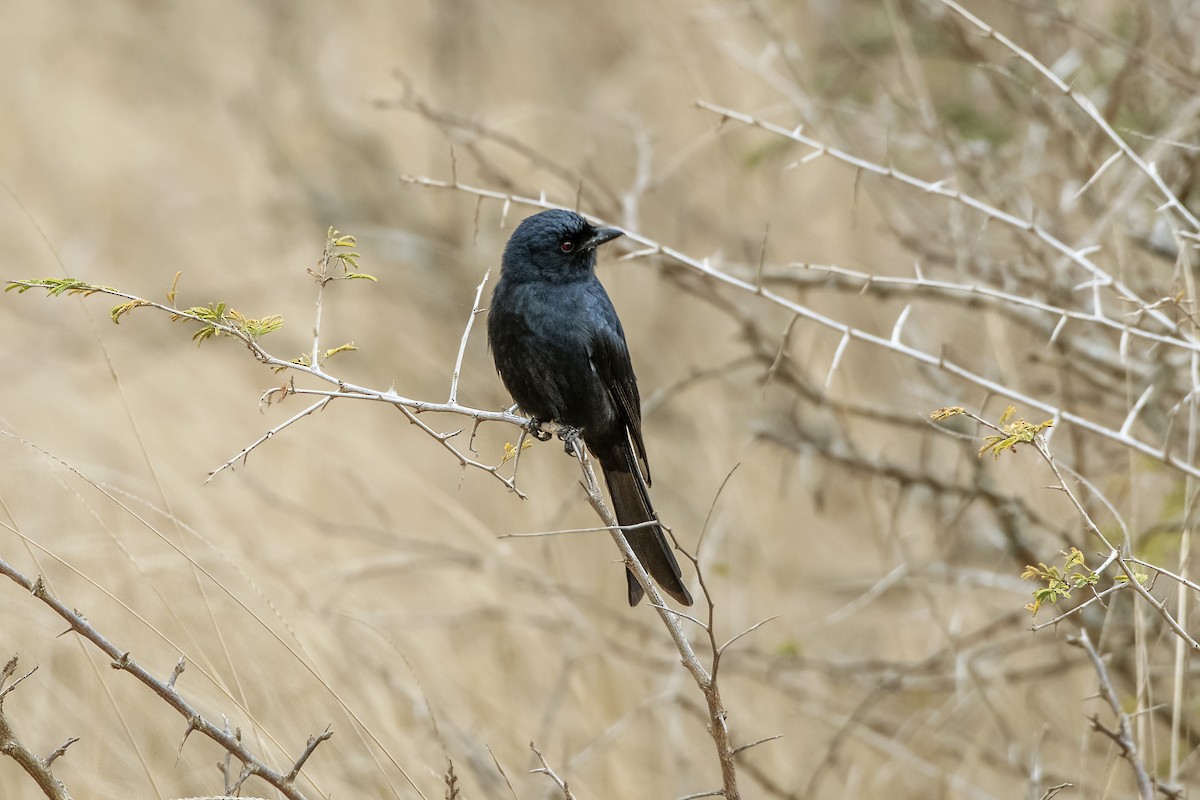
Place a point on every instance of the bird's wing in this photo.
(610, 358)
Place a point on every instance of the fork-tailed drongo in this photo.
(560, 350)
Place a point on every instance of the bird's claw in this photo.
(535, 430)
(570, 438)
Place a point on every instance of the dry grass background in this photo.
(351, 573)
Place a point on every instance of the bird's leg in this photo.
(570, 438)
(535, 430)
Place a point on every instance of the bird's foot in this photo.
(535, 430)
(570, 438)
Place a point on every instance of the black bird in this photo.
(561, 352)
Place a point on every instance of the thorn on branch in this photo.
(193, 725)
(756, 743)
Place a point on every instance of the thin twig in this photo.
(344, 389)
(748, 631)
(244, 453)
(1122, 736)
(463, 459)
(1053, 790)
(462, 345)
(756, 743)
(836, 277)
(61, 750)
(1179, 578)
(567, 531)
(309, 748)
(546, 770)
(1130, 575)
(1116, 587)
(36, 767)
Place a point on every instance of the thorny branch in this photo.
(705, 677)
(851, 333)
(848, 336)
(1115, 554)
(35, 766)
(121, 660)
(1087, 106)
(1123, 735)
(344, 389)
(548, 771)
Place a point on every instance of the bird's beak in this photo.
(600, 236)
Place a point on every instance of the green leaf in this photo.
(204, 334)
(1046, 595)
(1015, 433)
(510, 450)
(119, 311)
(344, 348)
(945, 413)
(261, 327)
(57, 286)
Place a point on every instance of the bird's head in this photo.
(554, 245)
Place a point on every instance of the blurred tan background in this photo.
(352, 574)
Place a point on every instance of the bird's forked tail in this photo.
(631, 504)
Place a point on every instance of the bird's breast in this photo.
(541, 342)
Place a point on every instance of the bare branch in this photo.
(756, 743)
(1123, 736)
(252, 764)
(546, 770)
(706, 681)
(34, 766)
(61, 750)
(462, 346)
(1053, 790)
(309, 748)
(1087, 106)
(1130, 576)
(938, 361)
(244, 453)
(748, 631)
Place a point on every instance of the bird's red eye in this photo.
(567, 246)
